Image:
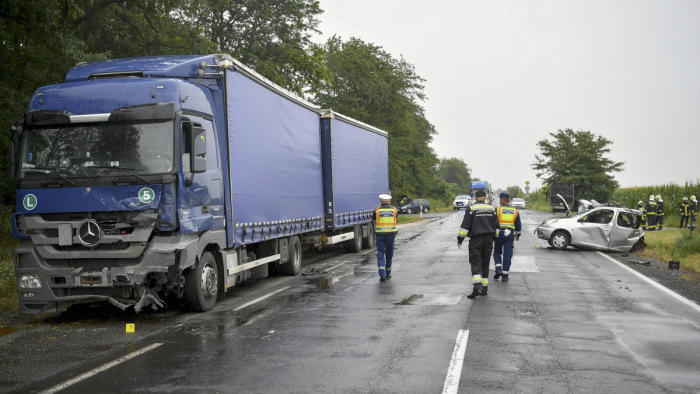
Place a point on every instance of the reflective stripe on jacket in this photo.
(685, 209)
(650, 208)
(386, 221)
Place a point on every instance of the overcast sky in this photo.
(502, 75)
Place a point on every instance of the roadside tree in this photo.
(578, 157)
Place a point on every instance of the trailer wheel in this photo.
(293, 266)
(201, 284)
(371, 240)
(354, 245)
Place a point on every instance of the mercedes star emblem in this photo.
(89, 232)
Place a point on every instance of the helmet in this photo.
(651, 197)
(692, 198)
(640, 202)
(658, 196)
(685, 198)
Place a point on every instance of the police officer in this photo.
(685, 212)
(640, 207)
(650, 211)
(509, 220)
(481, 225)
(660, 209)
(385, 229)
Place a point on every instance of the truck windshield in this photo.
(91, 149)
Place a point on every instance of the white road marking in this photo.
(455, 369)
(99, 369)
(656, 284)
(247, 304)
(327, 270)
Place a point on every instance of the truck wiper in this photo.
(126, 169)
(55, 173)
(131, 172)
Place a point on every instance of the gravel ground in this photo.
(682, 282)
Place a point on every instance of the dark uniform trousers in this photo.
(480, 248)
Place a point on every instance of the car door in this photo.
(593, 230)
(625, 232)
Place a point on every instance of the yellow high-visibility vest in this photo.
(506, 216)
(386, 221)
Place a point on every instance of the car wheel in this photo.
(408, 211)
(426, 209)
(559, 240)
(201, 284)
(639, 245)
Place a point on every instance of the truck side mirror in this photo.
(199, 150)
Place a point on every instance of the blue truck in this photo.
(481, 185)
(181, 176)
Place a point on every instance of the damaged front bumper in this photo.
(136, 282)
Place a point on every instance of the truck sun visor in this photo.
(35, 118)
(152, 112)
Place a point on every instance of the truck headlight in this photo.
(29, 282)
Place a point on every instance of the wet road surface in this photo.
(567, 321)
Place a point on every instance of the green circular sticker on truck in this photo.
(146, 195)
(29, 202)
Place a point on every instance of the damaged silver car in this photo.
(604, 228)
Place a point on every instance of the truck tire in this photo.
(354, 245)
(201, 284)
(559, 240)
(370, 240)
(293, 266)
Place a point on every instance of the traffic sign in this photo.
(527, 188)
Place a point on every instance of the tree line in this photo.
(40, 40)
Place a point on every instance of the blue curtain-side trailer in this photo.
(180, 176)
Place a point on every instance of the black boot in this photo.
(485, 291)
(475, 292)
(497, 275)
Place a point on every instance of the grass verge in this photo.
(8, 285)
(674, 244)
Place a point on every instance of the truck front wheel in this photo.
(201, 284)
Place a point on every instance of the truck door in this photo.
(201, 203)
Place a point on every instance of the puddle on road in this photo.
(409, 300)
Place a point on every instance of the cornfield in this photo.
(671, 194)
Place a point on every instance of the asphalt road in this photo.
(568, 321)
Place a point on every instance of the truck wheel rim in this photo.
(208, 281)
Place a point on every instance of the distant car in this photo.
(462, 201)
(518, 202)
(603, 228)
(416, 205)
